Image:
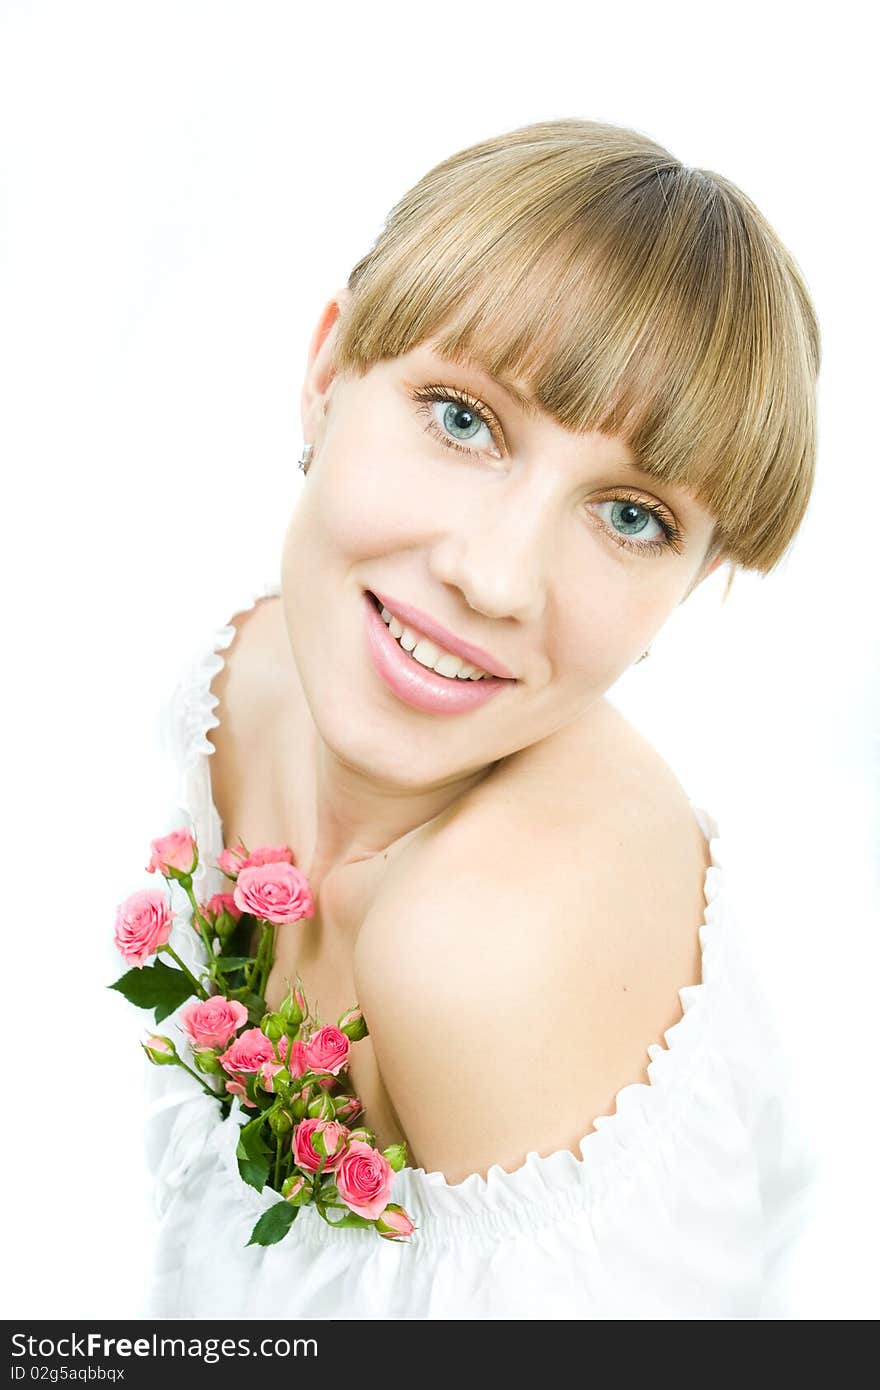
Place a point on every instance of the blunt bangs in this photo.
(628, 294)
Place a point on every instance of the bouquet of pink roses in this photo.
(283, 1065)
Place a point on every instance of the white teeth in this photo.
(428, 654)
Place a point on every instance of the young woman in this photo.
(571, 378)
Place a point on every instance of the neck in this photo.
(341, 814)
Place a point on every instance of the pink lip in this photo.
(413, 683)
(414, 617)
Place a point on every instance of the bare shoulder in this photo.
(519, 962)
(246, 688)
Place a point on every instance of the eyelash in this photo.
(425, 396)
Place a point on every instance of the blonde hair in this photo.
(633, 294)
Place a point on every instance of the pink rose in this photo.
(174, 851)
(219, 903)
(212, 1022)
(335, 1141)
(143, 924)
(364, 1178)
(268, 854)
(327, 1050)
(232, 861)
(274, 892)
(229, 861)
(249, 1052)
(268, 1069)
(394, 1223)
(238, 1088)
(296, 1062)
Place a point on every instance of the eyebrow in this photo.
(526, 402)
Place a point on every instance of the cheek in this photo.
(367, 503)
(601, 634)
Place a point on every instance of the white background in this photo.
(183, 185)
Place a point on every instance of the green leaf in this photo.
(253, 1154)
(232, 962)
(156, 986)
(274, 1224)
(254, 1171)
(254, 1003)
(251, 1143)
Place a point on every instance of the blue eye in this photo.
(629, 519)
(456, 420)
(633, 525)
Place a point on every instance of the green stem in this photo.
(268, 956)
(210, 1090)
(277, 1163)
(199, 989)
(256, 965)
(203, 929)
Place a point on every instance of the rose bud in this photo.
(322, 1107)
(347, 1108)
(394, 1223)
(143, 925)
(396, 1155)
(290, 1011)
(222, 914)
(298, 1106)
(333, 1141)
(296, 1190)
(268, 854)
(280, 1122)
(229, 861)
(353, 1025)
(269, 1070)
(274, 892)
(363, 1135)
(273, 1026)
(174, 855)
(160, 1050)
(206, 1061)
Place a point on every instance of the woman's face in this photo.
(433, 487)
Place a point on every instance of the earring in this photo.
(305, 457)
(644, 654)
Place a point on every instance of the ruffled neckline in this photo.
(561, 1179)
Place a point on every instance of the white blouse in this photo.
(686, 1202)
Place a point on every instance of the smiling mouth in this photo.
(428, 654)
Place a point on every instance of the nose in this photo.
(498, 557)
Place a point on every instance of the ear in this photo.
(321, 368)
(711, 567)
(704, 574)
